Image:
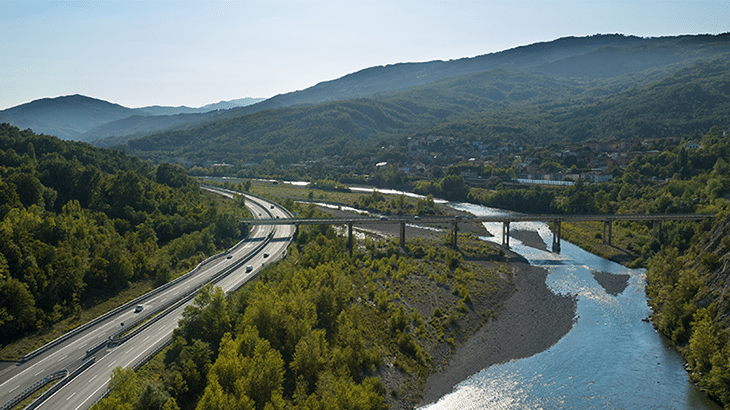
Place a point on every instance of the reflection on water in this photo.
(611, 359)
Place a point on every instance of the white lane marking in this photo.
(20, 374)
(72, 394)
(39, 372)
(145, 339)
(63, 357)
(110, 364)
(14, 388)
(90, 396)
(92, 379)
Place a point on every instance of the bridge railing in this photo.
(498, 218)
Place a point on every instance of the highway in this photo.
(86, 388)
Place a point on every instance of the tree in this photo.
(17, 307)
(310, 358)
(123, 386)
(207, 318)
(453, 187)
(704, 342)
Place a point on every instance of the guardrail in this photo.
(32, 389)
(50, 392)
(127, 305)
(117, 339)
(163, 311)
(215, 278)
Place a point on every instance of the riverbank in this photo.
(533, 319)
(529, 321)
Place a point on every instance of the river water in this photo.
(611, 359)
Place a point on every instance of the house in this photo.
(596, 177)
(691, 145)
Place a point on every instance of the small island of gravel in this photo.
(613, 284)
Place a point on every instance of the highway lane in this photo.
(83, 391)
(69, 354)
(66, 355)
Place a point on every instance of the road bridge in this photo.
(505, 219)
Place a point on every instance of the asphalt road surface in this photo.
(86, 388)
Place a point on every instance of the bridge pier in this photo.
(657, 230)
(454, 228)
(607, 225)
(556, 237)
(403, 234)
(505, 233)
(349, 237)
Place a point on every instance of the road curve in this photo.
(85, 389)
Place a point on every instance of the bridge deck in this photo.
(495, 218)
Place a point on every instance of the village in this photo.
(591, 161)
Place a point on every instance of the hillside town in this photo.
(591, 161)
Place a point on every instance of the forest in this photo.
(322, 329)
(688, 265)
(78, 224)
(527, 107)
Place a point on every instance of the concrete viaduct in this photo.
(556, 220)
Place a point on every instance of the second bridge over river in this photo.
(504, 219)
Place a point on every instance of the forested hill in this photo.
(81, 118)
(593, 56)
(600, 65)
(79, 223)
(64, 117)
(688, 291)
(502, 105)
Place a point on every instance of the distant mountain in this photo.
(65, 117)
(137, 126)
(227, 105)
(81, 118)
(593, 56)
(570, 89)
(221, 105)
(543, 90)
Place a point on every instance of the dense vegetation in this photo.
(78, 224)
(322, 329)
(688, 267)
(525, 107)
(672, 180)
(688, 291)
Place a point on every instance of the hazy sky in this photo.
(139, 53)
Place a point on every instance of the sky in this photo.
(172, 53)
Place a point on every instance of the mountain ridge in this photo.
(602, 65)
(77, 117)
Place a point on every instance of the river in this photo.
(611, 359)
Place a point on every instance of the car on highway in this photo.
(138, 309)
(417, 218)
(229, 256)
(249, 268)
(383, 218)
(266, 255)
